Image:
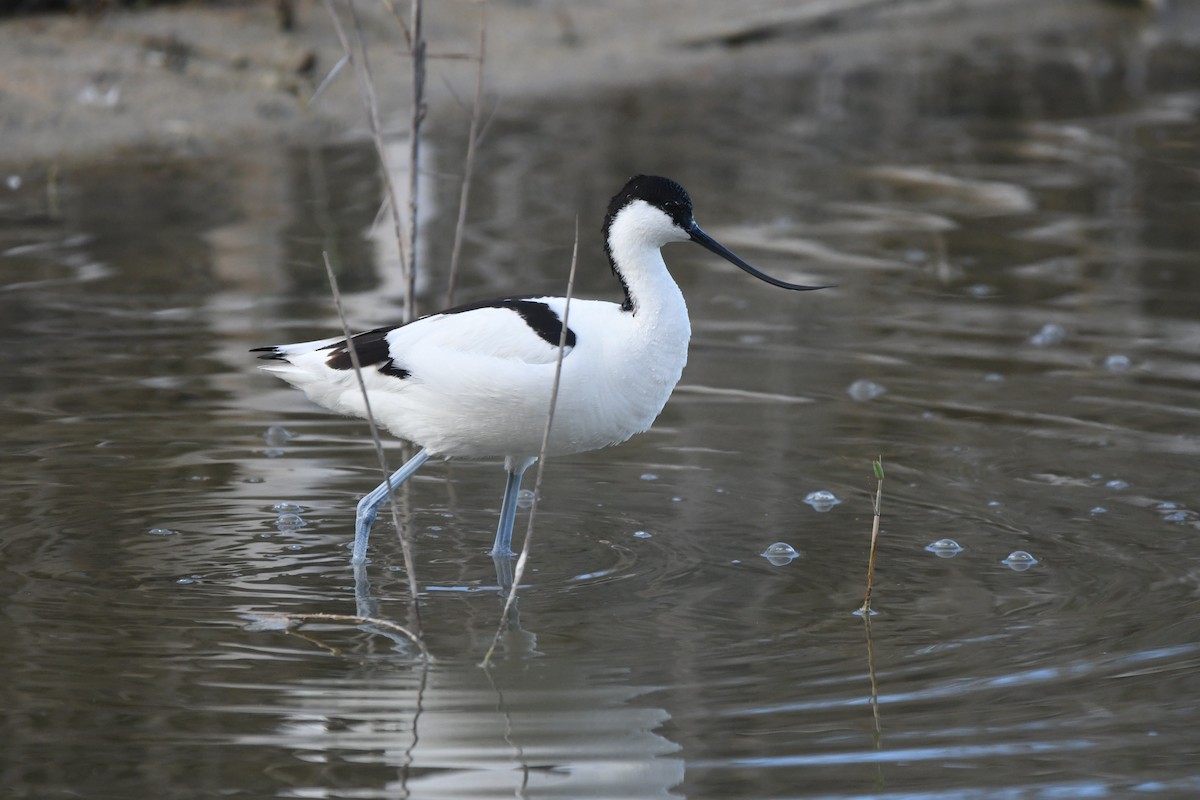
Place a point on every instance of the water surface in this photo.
(1013, 236)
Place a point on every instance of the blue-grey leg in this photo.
(366, 606)
(508, 509)
(504, 572)
(368, 507)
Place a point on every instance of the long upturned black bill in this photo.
(707, 242)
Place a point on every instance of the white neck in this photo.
(635, 239)
(657, 310)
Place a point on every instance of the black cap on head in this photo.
(662, 193)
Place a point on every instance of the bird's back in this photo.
(476, 382)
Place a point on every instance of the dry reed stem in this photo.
(366, 88)
(877, 465)
(333, 73)
(390, 6)
(469, 166)
(405, 547)
(417, 46)
(523, 558)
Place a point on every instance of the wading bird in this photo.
(474, 381)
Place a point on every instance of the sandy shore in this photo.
(199, 78)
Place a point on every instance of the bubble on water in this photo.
(284, 507)
(295, 547)
(198, 478)
(993, 377)
(821, 500)
(862, 390)
(676, 499)
(1099, 510)
(1019, 561)
(289, 522)
(944, 548)
(994, 503)
(525, 498)
(1117, 483)
(648, 476)
(1050, 335)
(278, 436)
(161, 532)
(642, 534)
(780, 553)
(187, 581)
(253, 479)
(1173, 512)
(1117, 363)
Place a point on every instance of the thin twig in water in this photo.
(874, 683)
(877, 465)
(350, 618)
(366, 88)
(519, 572)
(405, 548)
(469, 167)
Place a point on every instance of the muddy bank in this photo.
(200, 78)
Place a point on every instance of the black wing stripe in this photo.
(372, 348)
(540, 318)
